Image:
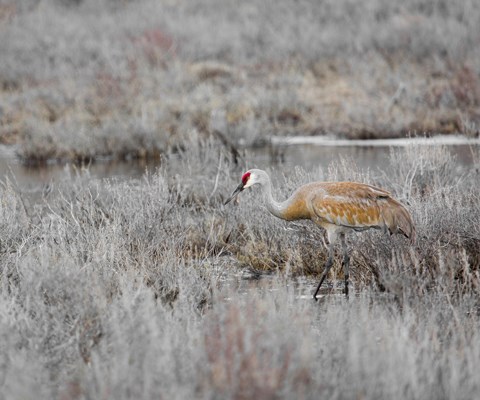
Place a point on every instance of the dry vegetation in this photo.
(124, 290)
(131, 289)
(81, 79)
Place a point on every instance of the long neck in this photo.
(274, 207)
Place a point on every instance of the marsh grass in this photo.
(129, 289)
(115, 289)
(82, 80)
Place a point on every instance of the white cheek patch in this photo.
(250, 182)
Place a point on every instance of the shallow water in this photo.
(309, 155)
(32, 180)
(286, 154)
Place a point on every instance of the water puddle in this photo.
(314, 152)
(306, 152)
(246, 282)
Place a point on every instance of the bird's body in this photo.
(338, 207)
(350, 205)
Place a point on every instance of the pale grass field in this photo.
(121, 289)
(81, 80)
(114, 290)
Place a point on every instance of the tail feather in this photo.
(398, 219)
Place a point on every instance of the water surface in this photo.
(286, 154)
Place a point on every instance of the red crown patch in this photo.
(245, 177)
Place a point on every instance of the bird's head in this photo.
(249, 178)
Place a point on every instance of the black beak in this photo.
(235, 193)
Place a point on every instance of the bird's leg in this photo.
(327, 267)
(346, 262)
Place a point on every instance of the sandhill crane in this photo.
(338, 207)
